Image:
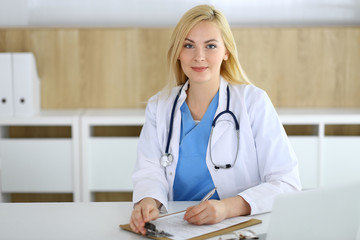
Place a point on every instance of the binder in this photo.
(6, 88)
(26, 85)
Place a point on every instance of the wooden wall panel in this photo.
(41, 197)
(122, 68)
(303, 67)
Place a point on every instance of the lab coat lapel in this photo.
(175, 140)
(221, 107)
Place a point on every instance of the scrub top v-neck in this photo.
(192, 178)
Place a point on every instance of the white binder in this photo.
(6, 88)
(26, 85)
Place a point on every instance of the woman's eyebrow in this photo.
(211, 40)
(207, 41)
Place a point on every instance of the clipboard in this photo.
(252, 221)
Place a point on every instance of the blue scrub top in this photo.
(192, 178)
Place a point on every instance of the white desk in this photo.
(67, 221)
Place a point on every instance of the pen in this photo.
(209, 195)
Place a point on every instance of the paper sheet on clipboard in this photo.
(181, 229)
(174, 224)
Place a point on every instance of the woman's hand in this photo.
(208, 212)
(144, 211)
(214, 211)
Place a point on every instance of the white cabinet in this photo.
(307, 150)
(88, 162)
(341, 162)
(108, 161)
(325, 160)
(40, 165)
(36, 166)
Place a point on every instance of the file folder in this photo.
(6, 88)
(26, 85)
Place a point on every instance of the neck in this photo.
(199, 96)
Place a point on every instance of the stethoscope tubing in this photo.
(172, 121)
(167, 159)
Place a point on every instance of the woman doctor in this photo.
(214, 129)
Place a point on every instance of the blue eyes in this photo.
(209, 46)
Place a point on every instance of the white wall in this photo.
(13, 13)
(165, 13)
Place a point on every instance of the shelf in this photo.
(306, 116)
(114, 117)
(109, 142)
(87, 152)
(40, 154)
(42, 165)
(44, 118)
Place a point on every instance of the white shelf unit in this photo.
(40, 165)
(325, 160)
(108, 162)
(85, 163)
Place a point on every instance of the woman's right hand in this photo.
(144, 211)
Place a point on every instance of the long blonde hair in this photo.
(230, 70)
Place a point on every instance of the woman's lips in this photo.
(199, 69)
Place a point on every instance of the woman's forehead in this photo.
(204, 30)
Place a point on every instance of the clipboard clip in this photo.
(151, 231)
(242, 235)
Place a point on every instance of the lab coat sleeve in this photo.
(278, 166)
(149, 176)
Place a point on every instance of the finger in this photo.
(200, 218)
(189, 208)
(204, 213)
(133, 227)
(194, 210)
(154, 214)
(137, 218)
(145, 213)
(138, 227)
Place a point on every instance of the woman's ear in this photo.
(226, 56)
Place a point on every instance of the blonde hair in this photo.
(230, 70)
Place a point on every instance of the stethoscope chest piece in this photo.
(166, 159)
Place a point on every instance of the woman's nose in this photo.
(199, 55)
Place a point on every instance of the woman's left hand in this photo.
(214, 211)
(208, 212)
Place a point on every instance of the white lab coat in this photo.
(265, 166)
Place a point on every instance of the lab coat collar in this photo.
(222, 107)
(222, 96)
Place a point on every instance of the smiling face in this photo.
(202, 53)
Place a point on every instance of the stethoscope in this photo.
(167, 158)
